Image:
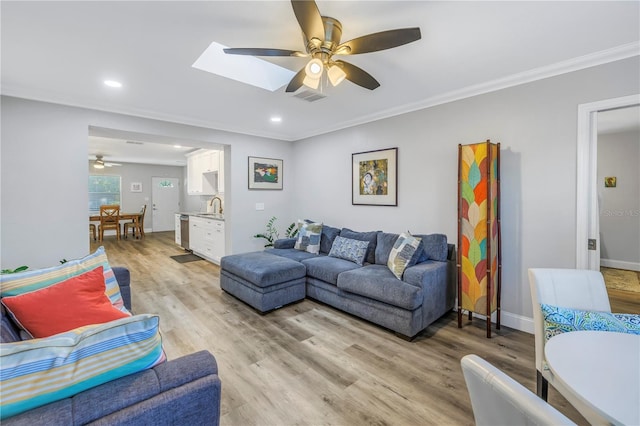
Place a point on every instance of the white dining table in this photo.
(601, 370)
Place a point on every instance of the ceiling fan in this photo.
(99, 163)
(321, 36)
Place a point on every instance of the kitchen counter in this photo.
(214, 216)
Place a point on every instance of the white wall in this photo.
(535, 123)
(44, 178)
(128, 172)
(619, 156)
(536, 126)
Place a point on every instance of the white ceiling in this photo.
(62, 51)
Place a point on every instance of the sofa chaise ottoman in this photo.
(263, 281)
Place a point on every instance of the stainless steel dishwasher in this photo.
(184, 231)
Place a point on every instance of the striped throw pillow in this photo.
(24, 282)
(40, 371)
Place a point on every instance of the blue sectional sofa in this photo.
(181, 391)
(370, 291)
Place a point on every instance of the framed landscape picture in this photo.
(375, 178)
(265, 173)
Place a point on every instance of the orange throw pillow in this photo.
(70, 304)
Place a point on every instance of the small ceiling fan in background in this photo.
(99, 163)
(321, 36)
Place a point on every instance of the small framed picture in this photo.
(136, 186)
(265, 173)
(375, 178)
(610, 182)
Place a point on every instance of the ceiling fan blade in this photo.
(379, 41)
(263, 52)
(297, 81)
(309, 18)
(358, 75)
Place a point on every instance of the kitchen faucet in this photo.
(213, 201)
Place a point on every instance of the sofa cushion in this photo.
(405, 253)
(435, 247)
(329, 235)
(30, 280)
(9, 332)
(70, 304)
(559, 320)
(291, 253)
(262, 268)
(327, 268)
(385, 243)
(309, 237)
(348, 249)
(371, 236)
(378, 283)
(37, 372)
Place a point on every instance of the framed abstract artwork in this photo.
(265, 173)
(375, 178)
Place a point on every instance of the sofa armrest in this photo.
(181, 391)
(124, 282)
(426, 275)
(285, 243)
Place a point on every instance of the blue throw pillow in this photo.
(371, 237)
(561, 320)
(349, 249)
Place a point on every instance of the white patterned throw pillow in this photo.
(309, 237)
(402, 254)
(348, 249)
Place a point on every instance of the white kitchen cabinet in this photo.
(218, 241)
(178, 237)
(206, 238)
(194, 175)
(202, 172)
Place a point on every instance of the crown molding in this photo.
(614, 54)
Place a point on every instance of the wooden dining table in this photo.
(135, 217)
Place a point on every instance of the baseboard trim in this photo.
(620, 264)
(511, 320)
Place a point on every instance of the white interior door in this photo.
(165, 198)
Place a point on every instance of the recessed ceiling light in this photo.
(276, 119)
(113, 83)
(177, 146)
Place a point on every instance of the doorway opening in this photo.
(587, 210)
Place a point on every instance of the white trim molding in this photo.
(586, 174)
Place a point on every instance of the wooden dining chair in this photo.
(109, 219)
(92, 229)
(136, 225)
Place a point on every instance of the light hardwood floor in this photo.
(310, 364)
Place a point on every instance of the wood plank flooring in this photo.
(310, 364)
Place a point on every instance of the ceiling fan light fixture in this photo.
(313, 72)
(98, 164)
(336, 75)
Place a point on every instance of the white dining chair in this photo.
(497, 399)
(570, 288)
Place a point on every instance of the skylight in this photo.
(245, 69)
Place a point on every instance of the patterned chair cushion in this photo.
(561, 320)
(40, 371)
(348, 249)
